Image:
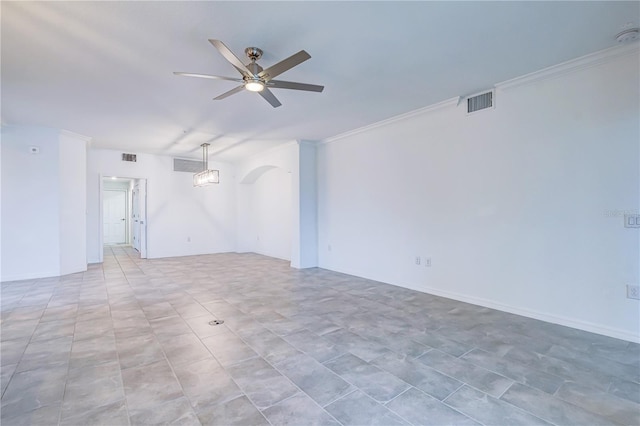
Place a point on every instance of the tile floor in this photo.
(129, 342)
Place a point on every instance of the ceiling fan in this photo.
(254, 77)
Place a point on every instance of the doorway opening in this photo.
(123, 213)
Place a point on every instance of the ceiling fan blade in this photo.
(229, 56)
(284, 65)
(270, 97)
(279, 84)
(215, 77)
(229, 93)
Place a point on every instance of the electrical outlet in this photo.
(633, 292)
(632, 220)
(427, 262)
(418, 260)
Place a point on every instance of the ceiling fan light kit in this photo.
(254, 77)
(254, 86)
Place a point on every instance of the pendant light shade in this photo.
(206, 177)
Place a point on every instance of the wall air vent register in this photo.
(189, 166)
(479, 102)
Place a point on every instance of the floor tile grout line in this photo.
(449, 406)
(356, 388)
(421, 391)
(292, 396)
(244, 394)
(502, 374)
(484, 369)
(467, 352)
(115, 344)
(521, 364)
(588, 410)
(284, 375)
(475, 419)
(401, 393)
(29, 341)
(235, 301)
(166, 358)
(221, 366)
(508, 403)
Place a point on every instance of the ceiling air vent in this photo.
(190, 166)
(480, 102)
(129, 157)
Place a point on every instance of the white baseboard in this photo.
(30, 276)
(43, 274)
(74, 269)
(542, 316)
(525, 312)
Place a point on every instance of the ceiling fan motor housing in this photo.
(254, 68)
(253, 53)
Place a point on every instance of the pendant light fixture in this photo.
(206, 177)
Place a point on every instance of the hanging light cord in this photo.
(205, 155)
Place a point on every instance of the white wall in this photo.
(512, 204)
(73, 204)
(176, 211)
(270, 218)
(306, 201)
(265, 202)
(43, 213)
(279, 208)
(30, 199)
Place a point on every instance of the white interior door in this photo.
(115, 217)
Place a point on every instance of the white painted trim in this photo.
(75, 269)
(75, 135)
(444, 104)
(32, 276)
(100, 219)
(528, 313)
(573, 65)
(587, 61)
(307, 142)
(144, 249)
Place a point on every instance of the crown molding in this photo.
(440, 105)
(573, 65)
(74, 135)
(307, 142)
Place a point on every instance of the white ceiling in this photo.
(105, 69)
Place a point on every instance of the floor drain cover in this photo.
(216, 322)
